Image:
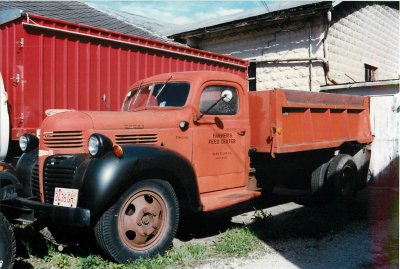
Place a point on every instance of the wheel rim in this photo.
(141, 221)
(346, 181)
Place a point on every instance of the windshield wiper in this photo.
(137, 94)
(163, 86)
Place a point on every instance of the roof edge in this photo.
(361, 84)
(320, 6)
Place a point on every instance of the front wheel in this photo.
(141, 223)
(7, 244)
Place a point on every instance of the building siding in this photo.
(363, 33)
(360, 33)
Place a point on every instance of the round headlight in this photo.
(23, 143)
(28, 142)
(98, 145)
(94, 145)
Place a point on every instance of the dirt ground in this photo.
(368, 240)
(295, 234)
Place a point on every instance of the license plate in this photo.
(66, 197)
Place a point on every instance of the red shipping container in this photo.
(48, 63)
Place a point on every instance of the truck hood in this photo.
(110, 120)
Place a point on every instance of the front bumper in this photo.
(48, 212)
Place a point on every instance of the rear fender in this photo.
(106, 178)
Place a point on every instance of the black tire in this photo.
(7, 244)
(318, 179)
(342, 177)
(141, 223)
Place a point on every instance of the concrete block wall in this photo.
(277, 42)
(360, 33)
(363, 33)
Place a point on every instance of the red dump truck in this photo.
(185, 143)
(47, 63)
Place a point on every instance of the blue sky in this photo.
(180, 12)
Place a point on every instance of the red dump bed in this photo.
(288, 121)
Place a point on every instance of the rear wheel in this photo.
(141, 223)
(318, 179)
(7, 244)
(342, 176)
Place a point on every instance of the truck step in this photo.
(220, 199)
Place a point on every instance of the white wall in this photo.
(364, 33)
(360, 33)
(385, 126)
(276, 43)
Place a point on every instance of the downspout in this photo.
(324, 60)
(325, 46)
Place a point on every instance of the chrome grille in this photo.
(63, 139)
(56, 174)
(136, 139)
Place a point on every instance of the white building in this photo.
(339, 46)
(306, 45)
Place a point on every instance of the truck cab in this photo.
(182, 142)
(184, 136)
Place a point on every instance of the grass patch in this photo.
(237, 242)
(232, 243)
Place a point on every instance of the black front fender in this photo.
(107, 177)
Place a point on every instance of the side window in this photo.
(211, 97)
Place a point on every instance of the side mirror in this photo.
(226, 96)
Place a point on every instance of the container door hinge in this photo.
(21, 118)
(21, 43)
(16, 80)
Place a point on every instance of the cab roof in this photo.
(194, 76)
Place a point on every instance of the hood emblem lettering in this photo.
(134, 126)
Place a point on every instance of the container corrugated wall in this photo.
(49, 63)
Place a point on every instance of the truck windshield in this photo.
(173, 94)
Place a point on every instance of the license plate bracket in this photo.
(66, 197)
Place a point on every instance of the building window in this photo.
(370, 72)
(252, 76)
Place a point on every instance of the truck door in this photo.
(4, 122)
(219, 138)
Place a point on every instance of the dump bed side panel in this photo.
(288, 121)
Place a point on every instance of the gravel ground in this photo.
(372, 242)
(297, 236)
(348, 249)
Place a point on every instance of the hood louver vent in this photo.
(63, 139)
(136, 139)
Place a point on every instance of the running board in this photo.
(221, 199)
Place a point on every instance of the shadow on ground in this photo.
(374, 211)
